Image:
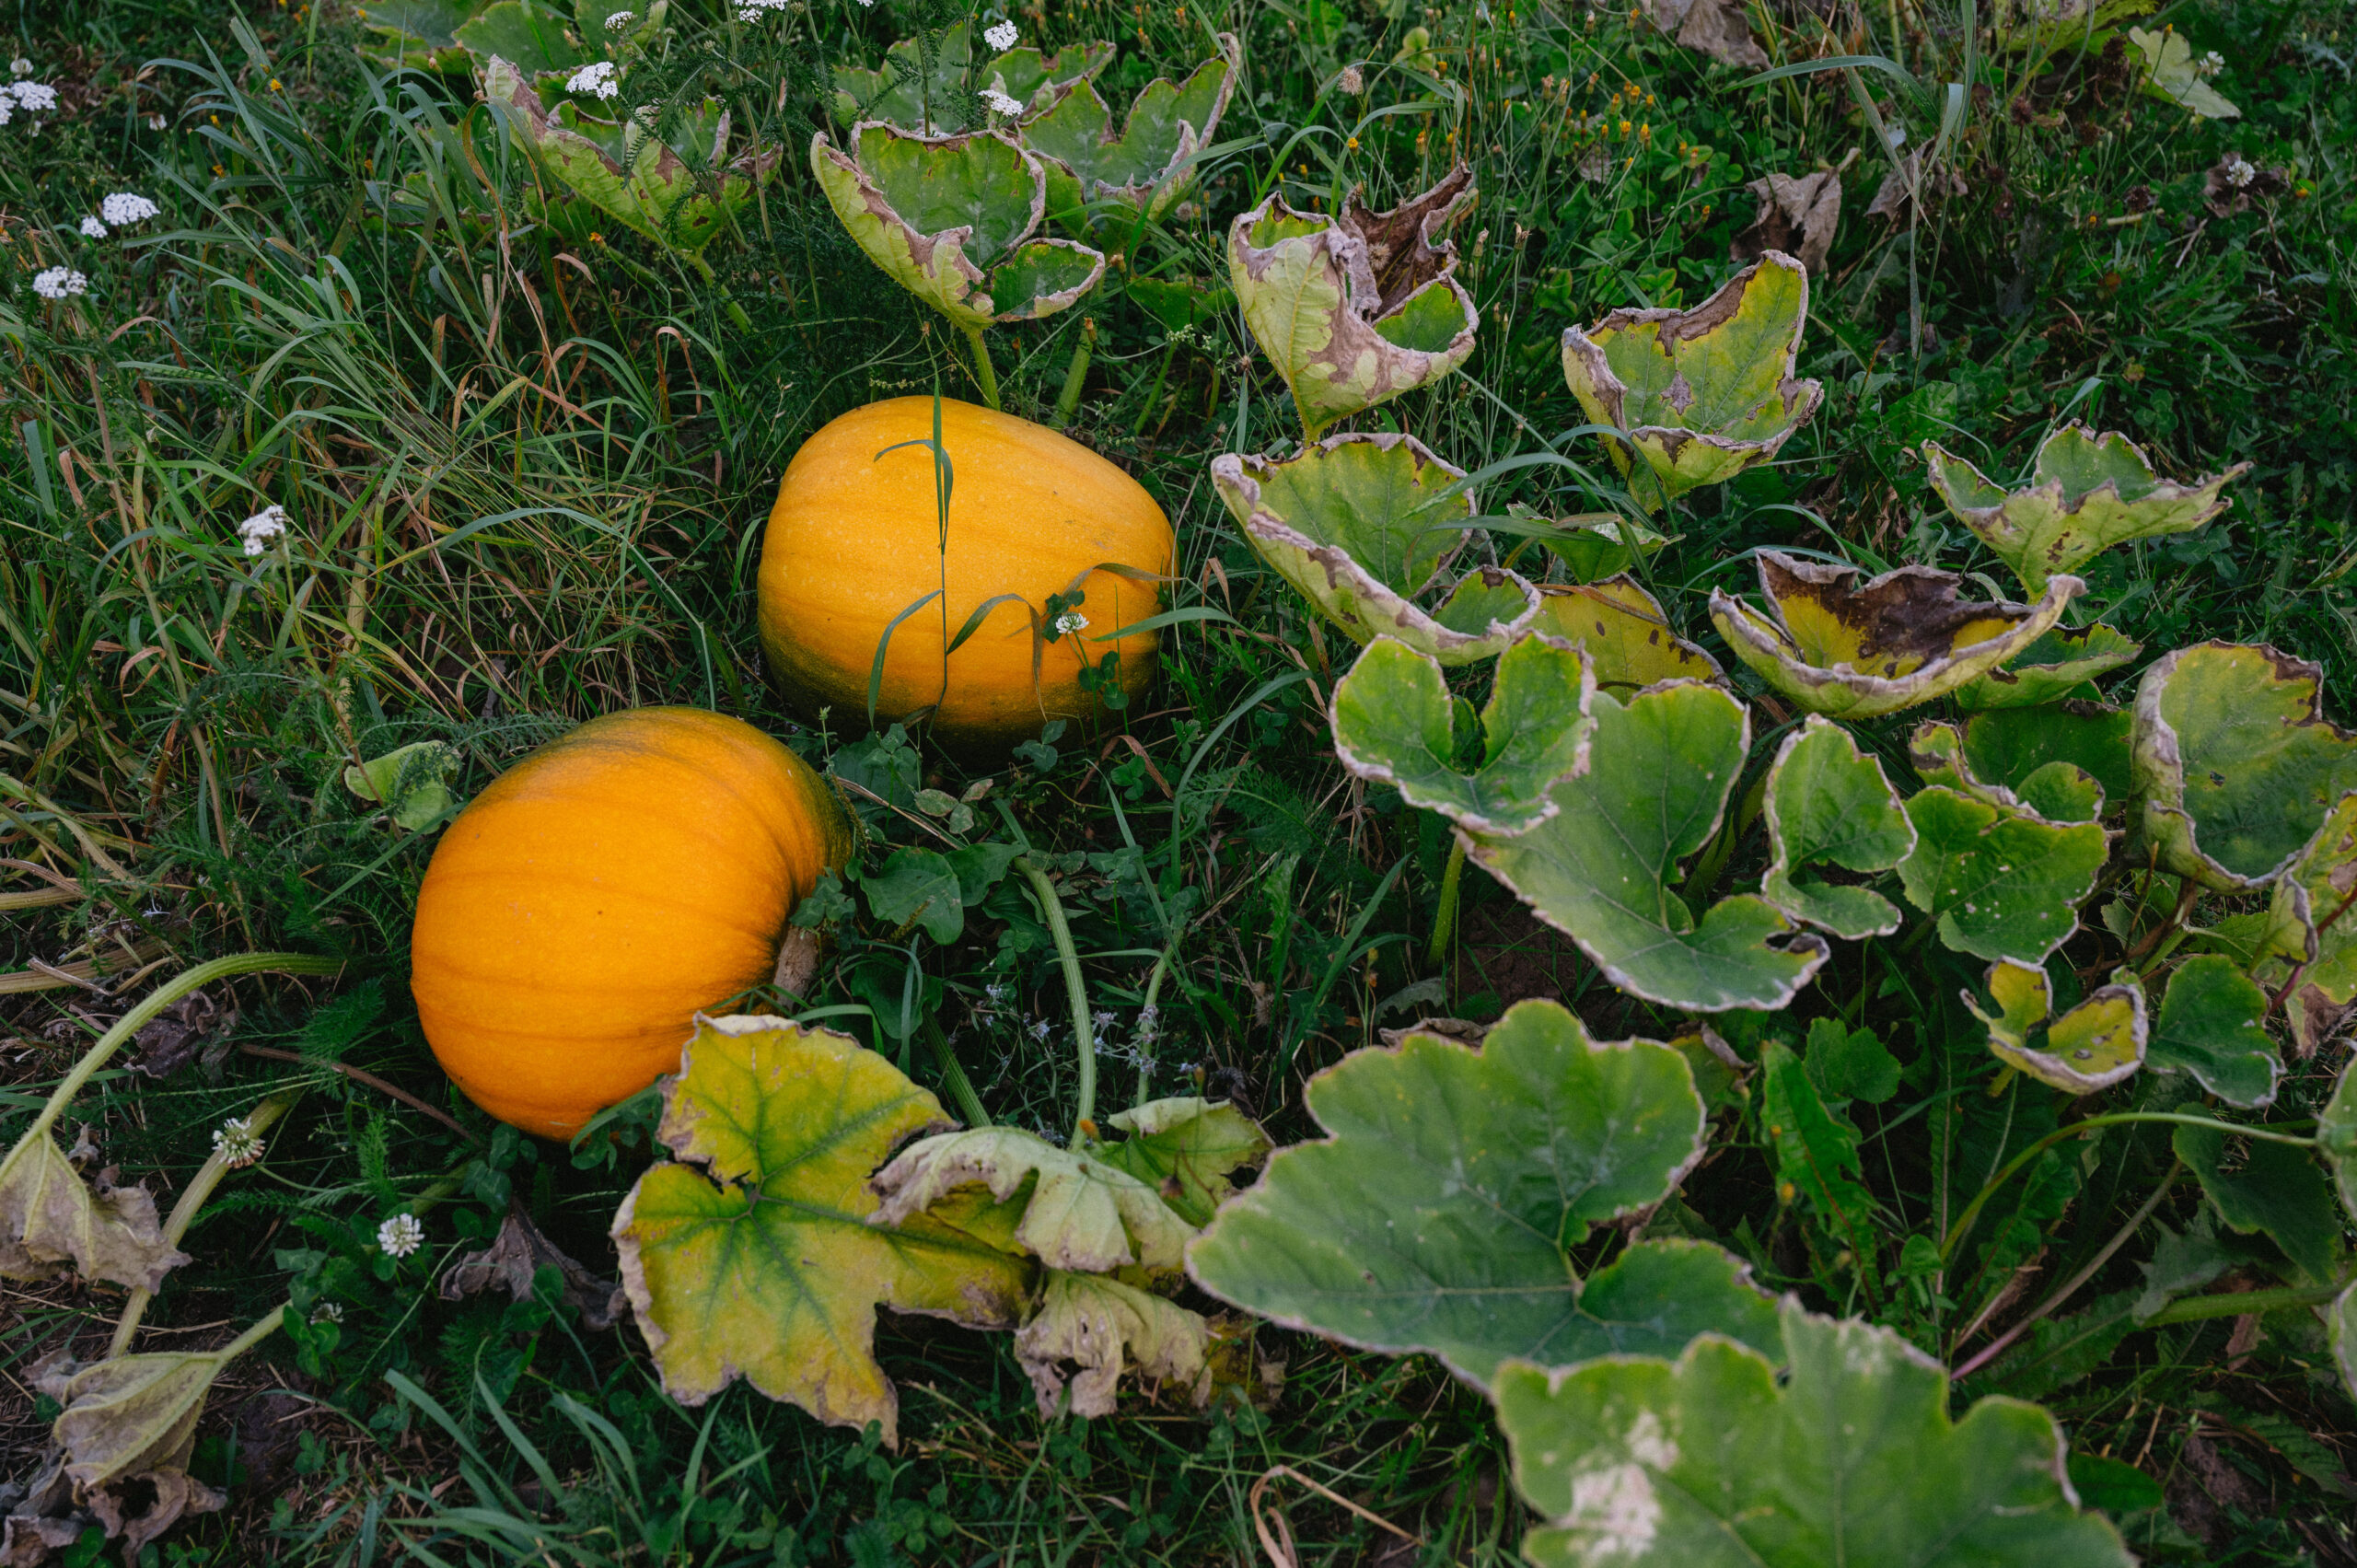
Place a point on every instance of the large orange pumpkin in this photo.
(854, 539)
(583, 909)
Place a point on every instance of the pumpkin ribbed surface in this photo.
(854, 539)
(598, 894)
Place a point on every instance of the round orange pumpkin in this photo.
(584, 907)
(855, 538)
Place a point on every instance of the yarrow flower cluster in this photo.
(261, 527)
(59, 282)
(125, 208)
(753, 10)
(401, 1235)
(31, 96)
(597, 77)
(1071, 621)
(1001, 37)
(998, 102)
(618, 20)
(237, 1143)
(93, 229)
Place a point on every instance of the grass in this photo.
(527, 475)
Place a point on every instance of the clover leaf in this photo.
(1362, 526)
(1439, 1212)
(1627, 637)
(2213, 1025)
(1354, 308)
(1853, 650)
(2057, 665)
(1700, 395)
(1395, 722)
(753, 1255)
(2235, 765)
(1146, 167)
(901, 91)
(2095, 1045)
(1600, 870)
(1638, 1462)
(2003, 883)
(1827, 804)
(954, 220)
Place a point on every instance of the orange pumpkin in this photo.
(583, 909)
(854, 539)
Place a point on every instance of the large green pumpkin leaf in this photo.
(2213, 1025)
(2087, 493)
(2003, 884)
(1361, 526)
(1830, 805)
(1144, 167)
(1853, 650)
(1601, 870)
(1357, 308)
(2235, 766)
(1394, 721)
(2311, 923)
(755, 1255)
(1698, 395)
(2008, 745)
(2093, 1046)
(1708, 1462)
(1439, 1212)
(2337, 1135)
(532, 35)
(2057, 665)
(1627, 637)
(2275, 1190)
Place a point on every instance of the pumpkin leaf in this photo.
(1356, 308)
(2312, 919)
(1144, 167)
(1627, 637)
(1439, 1212)
(1358, 525)
(2007, 745)
(410, 783)
(135, 1415)
(2095, 1045)
(49, 1219)
(2087, 493)
(2003, 884)
(2170, 72)
(1600, 870)
(754, 1254)
(1637, 1462)
(2343, 1335)
(2059, 664)
(531, 35)
(1104, 1327)
(1593, 548)
(1180, 302)
(2276, 1191)
(2235, 765)
(899, 92)
(1855, 651)
(418, 35)
(952, 220)
(1185, 1149)
(2058, 791)
(1078, 1211)
(1700, 395)
(2337, 1135)
(1394, 721)
(2213, 1025)
(1827, 804)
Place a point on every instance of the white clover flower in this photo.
(33, 96)
(57, 283)
(597, 77)
(123, 208)
(1000, 38)
(2209, 65)
(401, 1235)
(1071, 621)
(999, 103)
(20, 67)
(93, 229)
(2239, 173)
(237, 1143)
(261, 527)
(327, 1312)
(620, 20)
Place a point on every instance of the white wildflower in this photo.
(1149, 1024)
(999, 103)
(2209, 64)
(753, 10)
(1000, 38)
(237, 1143)
(261, 527)
(20, 67)
(124, 207)
(33, 96)
(1351, 81)
(57, 283)
(597, 77)
(1040, 1030)
(7, 109)
(2239, 173)
(1101, 1021)
(93, 229)
(994, 993)
(1071, 621)
(327, 1312)
(620, 20)
(401, 1235)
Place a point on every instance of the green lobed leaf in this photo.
(1185, 1147)
(2002, 884)
(2005, 747)
(2311, 923)
(1168, 123)
(531, 35)
(2235, 765)
(899, 92)
(2213, 1025)
(2087, 492)
(1394, 721)
(2059, 665)
(1827, 804)
(2098, 1044)
(754, 1255)
(1626, 636)
(1846, 1064)
(1856, 650)
(1601, 869)
(1709, 1462)
(1439, 1212)
(2274, 1189)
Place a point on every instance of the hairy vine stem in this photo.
(1084, 1041)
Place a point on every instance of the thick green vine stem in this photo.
(154, 1001)
(1084, 1040)
(953, 1074)
(1445, 917)
(1075, 377)
(985, 373)
(2235, 1303)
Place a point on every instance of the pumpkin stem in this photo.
(1084, 1040)
(985, 374)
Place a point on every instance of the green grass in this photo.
(527, 477)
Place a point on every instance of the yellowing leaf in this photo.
(1079, 1213)
(1187, 1147)
(2170, 72)
(1104, 1327)
(2091, 1047)
(754, 1256)
(49, 1219)
(1624, 631)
